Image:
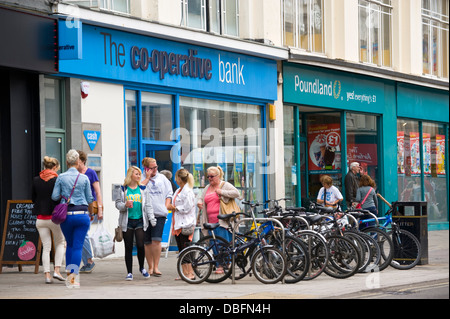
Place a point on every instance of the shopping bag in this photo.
(102, 242)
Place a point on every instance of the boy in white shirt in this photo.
(333, 195)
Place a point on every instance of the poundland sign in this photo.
(328, 88)
(123, 56)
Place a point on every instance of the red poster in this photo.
(400, 152)
(440, 154)
(324, 142)
(362, 153)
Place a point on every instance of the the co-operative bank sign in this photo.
(132, 58)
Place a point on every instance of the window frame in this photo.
(310, 28)
(375, 7)
(435, 21)
(213, 16)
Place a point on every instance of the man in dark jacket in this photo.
(351, 183)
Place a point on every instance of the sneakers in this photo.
(145, 273)
(88, 268)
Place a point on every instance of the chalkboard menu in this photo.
(20, 243)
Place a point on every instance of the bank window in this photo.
(435, 37)
(303, 24)
(156, 116)
(225, 134)
(131, 123)
(290, 164)
(216, 16)
(375, 32)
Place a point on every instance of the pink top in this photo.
(212, 202)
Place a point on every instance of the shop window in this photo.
(290, 164)
(408, 161)
(216, 16)
(426, 182)
(225, 134)
(324, 150)
(375, 32)
(55, 127)
(435, 37)
(303, 24)
(435, 186)
(362, 143)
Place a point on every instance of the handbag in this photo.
(118, 234)
(359, 206)
(230, 207)
(59, 213)
(188, 230)
(102, 242)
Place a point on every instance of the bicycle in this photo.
(407, 250)
(267, 263)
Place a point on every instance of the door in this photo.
(163, 154)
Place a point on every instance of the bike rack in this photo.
(233, 280)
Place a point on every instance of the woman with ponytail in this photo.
(43, 207)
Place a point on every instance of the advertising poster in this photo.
(400, 152)
(415, 153)
(426, 153)
(440, 154)
(324, 142)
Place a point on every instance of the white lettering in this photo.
(231, 72)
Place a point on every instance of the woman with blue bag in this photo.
(71, 184)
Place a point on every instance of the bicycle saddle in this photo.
(210, 225)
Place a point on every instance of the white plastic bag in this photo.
(102, 242)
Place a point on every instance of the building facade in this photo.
(261, 88)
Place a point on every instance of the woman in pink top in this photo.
(209, 201)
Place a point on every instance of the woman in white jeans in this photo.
(43, 208)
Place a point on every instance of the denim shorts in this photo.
(135, 223)
(155, 233)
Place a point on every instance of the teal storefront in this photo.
(397, 132)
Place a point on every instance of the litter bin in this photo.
(413, 218)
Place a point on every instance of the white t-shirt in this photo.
(160, 189)
(333, 194)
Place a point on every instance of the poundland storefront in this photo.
(397, 132)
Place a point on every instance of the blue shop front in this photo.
(185, 105)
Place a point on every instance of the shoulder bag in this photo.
(230, 207)
(359, 206)
(60, 212)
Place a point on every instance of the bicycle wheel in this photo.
(297, 257)
(407, 250)
(374, 253)
(363, 249)
(269, 265)
(344, 258)
(194, 264)
(318, 252)
(385, 243)
(219, 247)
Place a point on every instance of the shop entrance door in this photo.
(162, 153)
(323, 151)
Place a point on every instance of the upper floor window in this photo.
(216, 16)
(375, 32)
(303, 24)
(122, 6)
(435, 37)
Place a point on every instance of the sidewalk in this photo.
(107, 281)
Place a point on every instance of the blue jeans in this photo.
(87, 250)
(75, 229)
